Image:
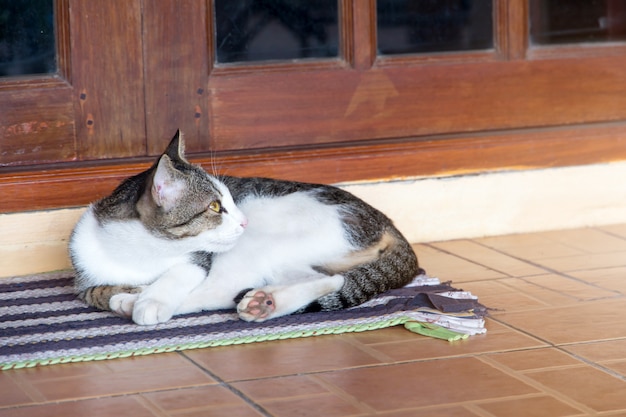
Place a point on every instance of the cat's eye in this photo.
(216, 206)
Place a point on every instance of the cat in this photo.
(175, 239)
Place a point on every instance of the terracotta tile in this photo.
(278, 358)
(194, 399)
(589, 261)
(262, 390)
(448, 267)
(230, 411)
(614, 414)
(320, 405)
(533, 359)
(609, 278)
(347, 374)
(619, 367)
(147, 362)
(576, 289)
(419, 384)
(588, 240)
(177, 373)
(498, 339)
(60, 371)
(100, 407)
(490, 258)
(530, 407)
(431, 412)
(616, 229)
(530, 246)
(583, 322)
(586, 385)
(543, 295)
(609, 350)
(10, 392)
(499, 296)
(98, 368)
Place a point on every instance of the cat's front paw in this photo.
(256, 306)
(149, 312)
(123, 304)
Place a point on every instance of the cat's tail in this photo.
(390, 263)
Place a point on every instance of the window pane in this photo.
(27, 44)
(576, 21)
(260, 30)
(426, 26)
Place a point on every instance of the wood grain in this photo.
(334, 106)
(39, 125)
(132, 72)
(108, 80)
(177, 72)
(453, 155)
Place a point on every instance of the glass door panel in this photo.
(27, 41)
(554, 22)
(429, 26)
(262, 30)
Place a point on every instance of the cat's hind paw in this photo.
(149, 312)
(123, 304)
(256, 306)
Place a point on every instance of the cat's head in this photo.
(182, 200)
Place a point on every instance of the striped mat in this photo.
(42, 322)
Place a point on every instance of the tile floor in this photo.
(556, 347)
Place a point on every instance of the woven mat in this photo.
(42, 322)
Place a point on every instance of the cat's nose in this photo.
(244, 222)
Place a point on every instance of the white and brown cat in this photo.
(174, 240)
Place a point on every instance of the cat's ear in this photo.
(176, 149)
(166, 188)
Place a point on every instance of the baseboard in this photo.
(35, 242)
(424, 209)
(432, 209)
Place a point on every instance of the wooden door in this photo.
(460, 96)
(92, 106)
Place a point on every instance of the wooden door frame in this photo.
(456, 155)
(79, 180)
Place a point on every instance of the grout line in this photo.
(616, 294)
(378, 365)
(525, 332)
(593, 364)
(369, 350)
(535, 384)
(149, 405)
(447, 252)
(476, 409)
(333, 389)
(432, 245)
(28, 388)
(550, 270)
(561, 348)
(610, 233)
(229, 387)
(544, 303)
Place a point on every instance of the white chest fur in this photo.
(126, 253)
(121, 252)
(284, 238)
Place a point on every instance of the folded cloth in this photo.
(448, 304)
